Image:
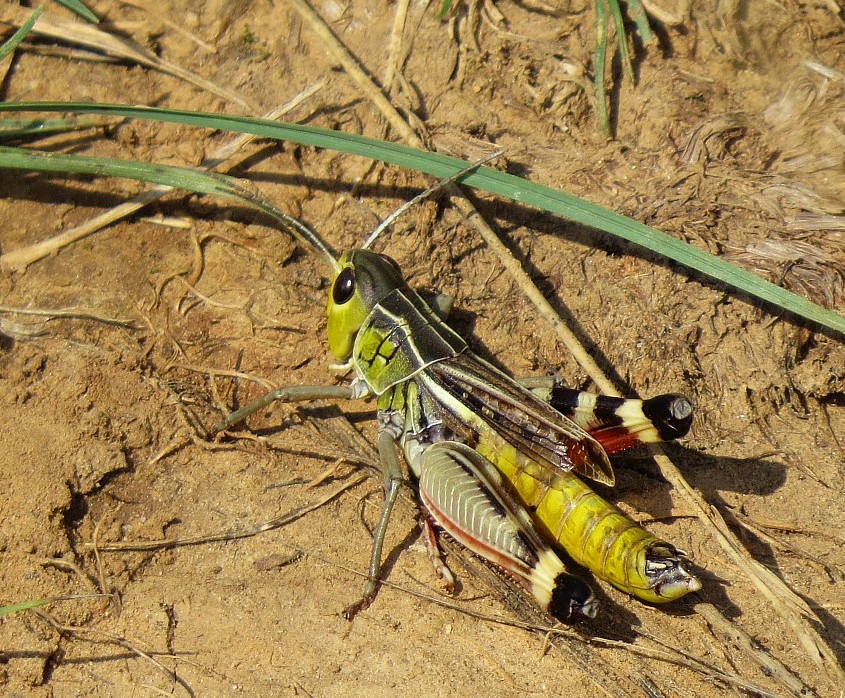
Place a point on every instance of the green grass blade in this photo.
(445, 6)
(486, 179)
(12, 129)
(35, 603)
(638, 14)
(621, 38)
(79, 8)
(21, 33)
(177, 177)
(169, 175)
(23, 606)
(601, 67)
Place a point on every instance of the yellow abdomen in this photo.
(594, 532)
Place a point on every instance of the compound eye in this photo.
(344, 286)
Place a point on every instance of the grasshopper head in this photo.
(364, 279)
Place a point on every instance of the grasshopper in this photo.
(498, 464)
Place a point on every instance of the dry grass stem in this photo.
(758, 530)
(98, 562)
(68, 566)
(131, 646)
(89, 36)
(673, 18)
(788, 605)
(216, 372)
(18, 260)
(72, 313)
(395, 55)
(741, 640)
(154, 11)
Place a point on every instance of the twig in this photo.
(72, 313)
(235, 533)
(78, 631)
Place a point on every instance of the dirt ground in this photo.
(732, 139)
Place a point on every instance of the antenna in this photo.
(300, 232)
(440, 184)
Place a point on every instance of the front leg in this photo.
(294, 393)
(391, 468)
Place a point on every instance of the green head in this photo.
(364, 279)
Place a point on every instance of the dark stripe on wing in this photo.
(522, 419)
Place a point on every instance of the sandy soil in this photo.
(729, 140)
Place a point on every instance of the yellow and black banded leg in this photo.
(618, 423)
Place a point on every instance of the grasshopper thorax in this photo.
(380, 327)
(364, 280)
